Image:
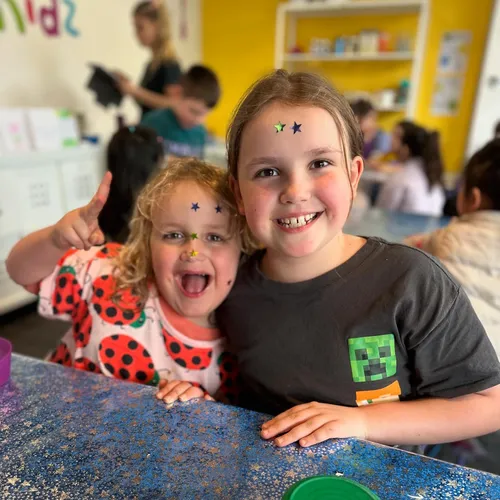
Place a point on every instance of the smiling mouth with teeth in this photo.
(296, 222)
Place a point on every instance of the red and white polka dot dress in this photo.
(122, 339)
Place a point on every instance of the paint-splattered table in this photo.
(71, 434)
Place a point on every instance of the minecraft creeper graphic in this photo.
(372, 358)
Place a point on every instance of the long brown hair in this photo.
(424, 144)
(294, 89)
(164, 47)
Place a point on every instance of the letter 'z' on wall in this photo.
(54, 17)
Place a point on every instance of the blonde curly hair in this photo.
(134, 267)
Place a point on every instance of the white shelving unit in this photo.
(36, 190)
(289, 13)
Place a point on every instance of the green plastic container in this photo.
(328, 488)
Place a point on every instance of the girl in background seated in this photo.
(470, 246)
(133, 155)
(143, 313)
(376, 143)
(418, 186)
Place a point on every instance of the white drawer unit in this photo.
(36, 190)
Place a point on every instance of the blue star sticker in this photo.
(218, 209)
(296, 127)
(195, 207)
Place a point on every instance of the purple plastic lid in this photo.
(5, 355)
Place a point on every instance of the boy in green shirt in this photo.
(181, 125)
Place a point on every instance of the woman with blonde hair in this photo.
(152, 28)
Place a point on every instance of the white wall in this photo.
(37, 70)
(487, 107)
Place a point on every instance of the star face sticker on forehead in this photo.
(296, 127)
(218, 209)
(280, 127)
(195, 207)
(194, 236)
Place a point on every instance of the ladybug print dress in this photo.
(119, 338)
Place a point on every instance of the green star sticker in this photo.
(194, 236)
(280, 127)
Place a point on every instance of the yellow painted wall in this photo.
(446, 15)
(238, 43)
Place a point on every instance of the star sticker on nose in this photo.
(195, 207)
(296, 127)
(193, 253)
(218, 209)
(194, 236)
(280, 127)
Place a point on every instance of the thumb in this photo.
(97, 238)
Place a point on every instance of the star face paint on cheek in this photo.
(280, 127)
(218, 209)
(195, 207)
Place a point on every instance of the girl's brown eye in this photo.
(172, 236)
(267, 172)
(320, 163)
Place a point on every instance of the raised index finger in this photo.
(91, 211)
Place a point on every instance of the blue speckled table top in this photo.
(70, 434)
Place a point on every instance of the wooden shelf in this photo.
(379, 56)
(352, 7)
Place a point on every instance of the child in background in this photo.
(376, 142)
(133, 155)
(326, 325)
(142, 314)
(181, 125)
(152, 27)
(469, 246)
(450, 206)
(418, 186)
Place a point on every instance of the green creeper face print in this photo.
(372, 358)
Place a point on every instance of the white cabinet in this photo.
(39, 196)
(9, 207)
(79, 182)
(36, 190)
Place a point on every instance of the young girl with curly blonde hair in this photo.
(143, 312)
